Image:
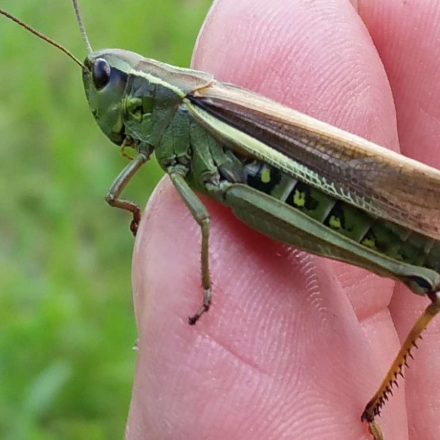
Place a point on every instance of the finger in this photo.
(406, 35)
(260, 350)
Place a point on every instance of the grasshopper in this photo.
(289, 176)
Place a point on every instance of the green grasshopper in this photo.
(290, 177)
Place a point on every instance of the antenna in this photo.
(82, 28)
(43, 37)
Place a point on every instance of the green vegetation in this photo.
(66, 321)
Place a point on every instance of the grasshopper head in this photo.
(105, 76)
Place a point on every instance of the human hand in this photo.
(294, 345)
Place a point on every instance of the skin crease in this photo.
(294, 345)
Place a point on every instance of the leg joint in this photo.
(110, 198)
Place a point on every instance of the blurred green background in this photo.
(66, 322)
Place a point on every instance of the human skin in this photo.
(294, 345)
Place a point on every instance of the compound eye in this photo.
(101, 73)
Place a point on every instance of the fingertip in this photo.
(316, 57)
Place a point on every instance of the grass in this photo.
(67, 327)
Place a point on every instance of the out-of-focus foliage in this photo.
(66, 322)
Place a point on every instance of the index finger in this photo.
(274, 356)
